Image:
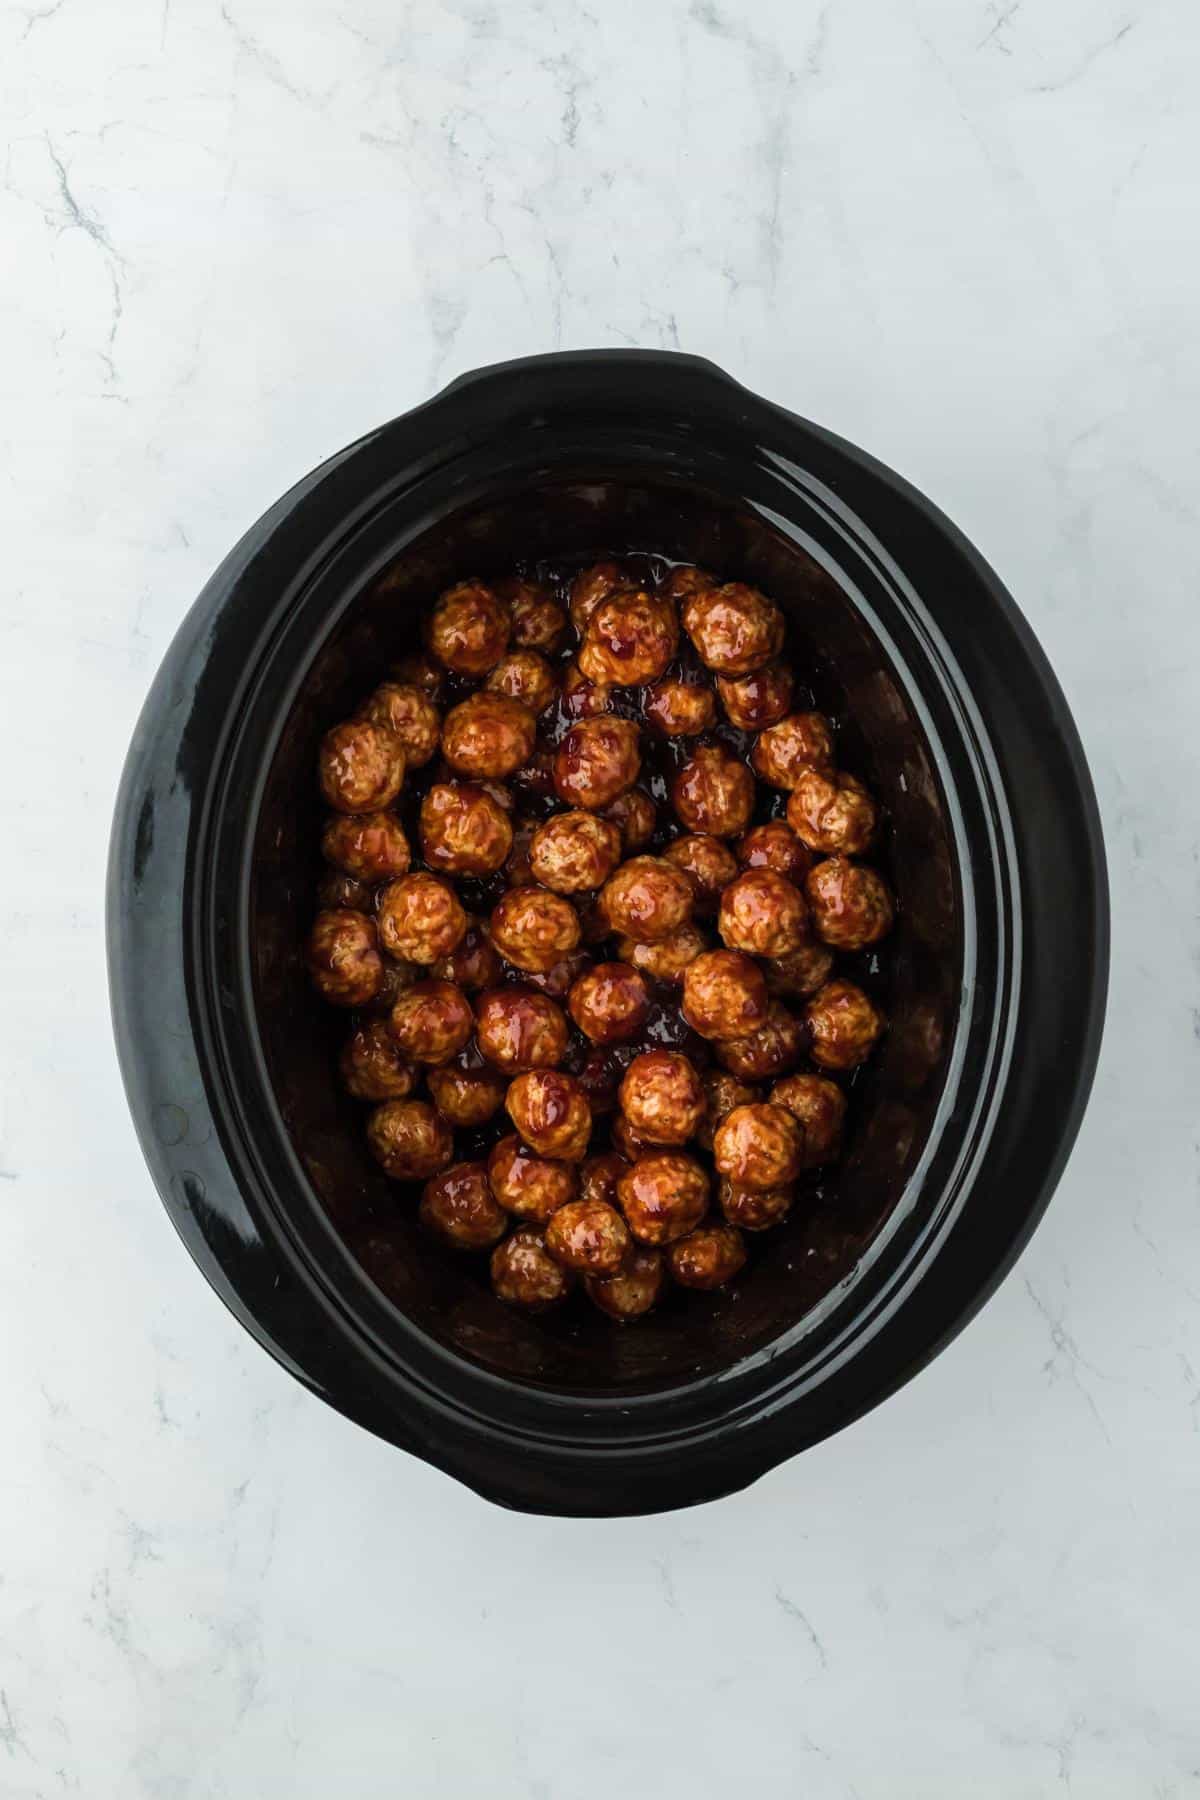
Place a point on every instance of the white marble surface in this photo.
(237, 233)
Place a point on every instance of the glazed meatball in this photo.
(396, 977)
(707, 1258)
(832, 813)
(343, 893)
(661, 1097)
(529, 1185)
(581, 698)
(538, 621)
(536, 777)
(599, 1175)
(709, 863)
(609, 1003)
(488, 734)
(525, 676)
(472, 964)
(629, 639)
(844, 1025)
(533, 929)
(408, 1140)
(669, 958)
(466, 1098)
(588, 1236)
(361, 766)
(574, 852)
(411, 714)
(648, 898)
(370, 846)
(463, 830)
(754, 1209)
(775, 846)
(722, 1092)
(633, 1290)
(763, 914)
(596, 760)
(680, 708)
(549, 1110)
(420, 919)
(598, 1073)
(683, 580)
(735, 628)
(819, 1107)
(517, 1029)
(801, 972)
(663, 1196)
(469, 628)
(372, 1066)
(626, 1142)
(343, 960)
(759, 1146)
(752, 702)
(713, 793)
(851, 906)
(459, 1207)
(634, 815)
(558, 981)
(724, 995)
(784, 751)
(431, 1021)
(773, 1049)
(590, 587)
(420, 671)
(525, 1274)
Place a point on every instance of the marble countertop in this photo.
(236, 234)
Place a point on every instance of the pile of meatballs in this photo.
(588, 872)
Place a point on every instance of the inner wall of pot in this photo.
(840, 1213)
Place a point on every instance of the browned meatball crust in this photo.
(763, 914)
(662, 1098)
(574, 852)
(647, 898)
(370, 846)
(517, 1029)
(466, 1098)
(663, 1196)
(633, 1290)
(529, 1186)
(707, 1258)
(758, 1146)
(420, 918)
(551, 1113)
(801, 972)
(851, 906)
(469, 628)
(819, 1107)
(775, 846)
(595, 761)
(472, 964)
(533, 929)
(844, 1025)
(722, 1092)
(754, 1209)
(592, 586)
(588, 1236)
(410, 712)
(629, 639)
(538, 621)
(784, 751)
(525, 676)
(713, 793)
(343, 958)
(463, 830)
(581, 698)
(635, 816)
(669, 958)
(628, 1145)
(710, 864)
(735, 628)
(680, 708)
(361, 766)
(773, 1049)
(609, 1003)
(431, 1021)
(488, 735)
(832, 813)
(459, 1207)
(372, 1066)
(525, 1274)
(724, 995)
(599, 1175)
(752, 702)
(408, 1140)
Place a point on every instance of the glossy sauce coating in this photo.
(597, 760)
(431, 1021)
(773, 1049)
(372, 1066)
(361, 766)
(518, 1029)
(369, 846)
(421, 918)
(758, 1146)
(752, 702)
(724, 995)
(661, 1097)
(533, 929)
(818, 1106)
(647, 898)
(629, 639)
(488, 735)
(464, 831)
(538, 621)
(551, 1113)
(574, 852)
(735, 629)
(669, 958)
(343, 957)
(459, 1207)
(844, 1025)
(588, 1236)
(466, 1098)
(709, 862)
(707, 1258)
(832, 813)
(409, 1140)
(525, 676)
(763, 914)
(469, 628)
(412, 714)
(713, 793)
(525, 1274)
(529, 1186)
(775, 845)
(784, 751)
(663, 1195)
(850, 904)
(634, 1289)
(609, 1003)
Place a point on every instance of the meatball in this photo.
(844, 1025)
(372, 1066)
(469, 628)
(420, 919)
(408, 1140)
(396, 977)
(851, 906)
(411, 714)
(629, 639)
(420, 671)
(488, 734)
(549, 1110)
(832, 813)
(722, 1093)
(599, 1175)
(463, 830)
(669, 958)
(343, 893)
(628, 1145)
(472, 964)
(683, 580)
(819, 1107)
(773, 1049)
(680, 708)
(525, 676)
(633, 1290)
(589, 1236)
(800, 972)
(763, 914)
(538, 621)
(708, 1258)
(663, 1196)
(343, 960)
(590, 587)
(361, 766)
(598, 1073)
(759, 1146)
(609, 1003)
(754, 1209)
(775, 846)
(713, 793)
(634, 815)
(574, 851)
(662, 1098)
(709, 863)
(466, 1098)
(558, 981)
(647, 898)
(459, 1207)
(533, 929)
(536, 777)
(370, 846)
(581, 698)
(801, 741)
(529, 1185)
(735, 628)
(431, 1021)
(525, 1274)
(752, 702)
(596, 760)
(517, 1029)
(724, 995)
